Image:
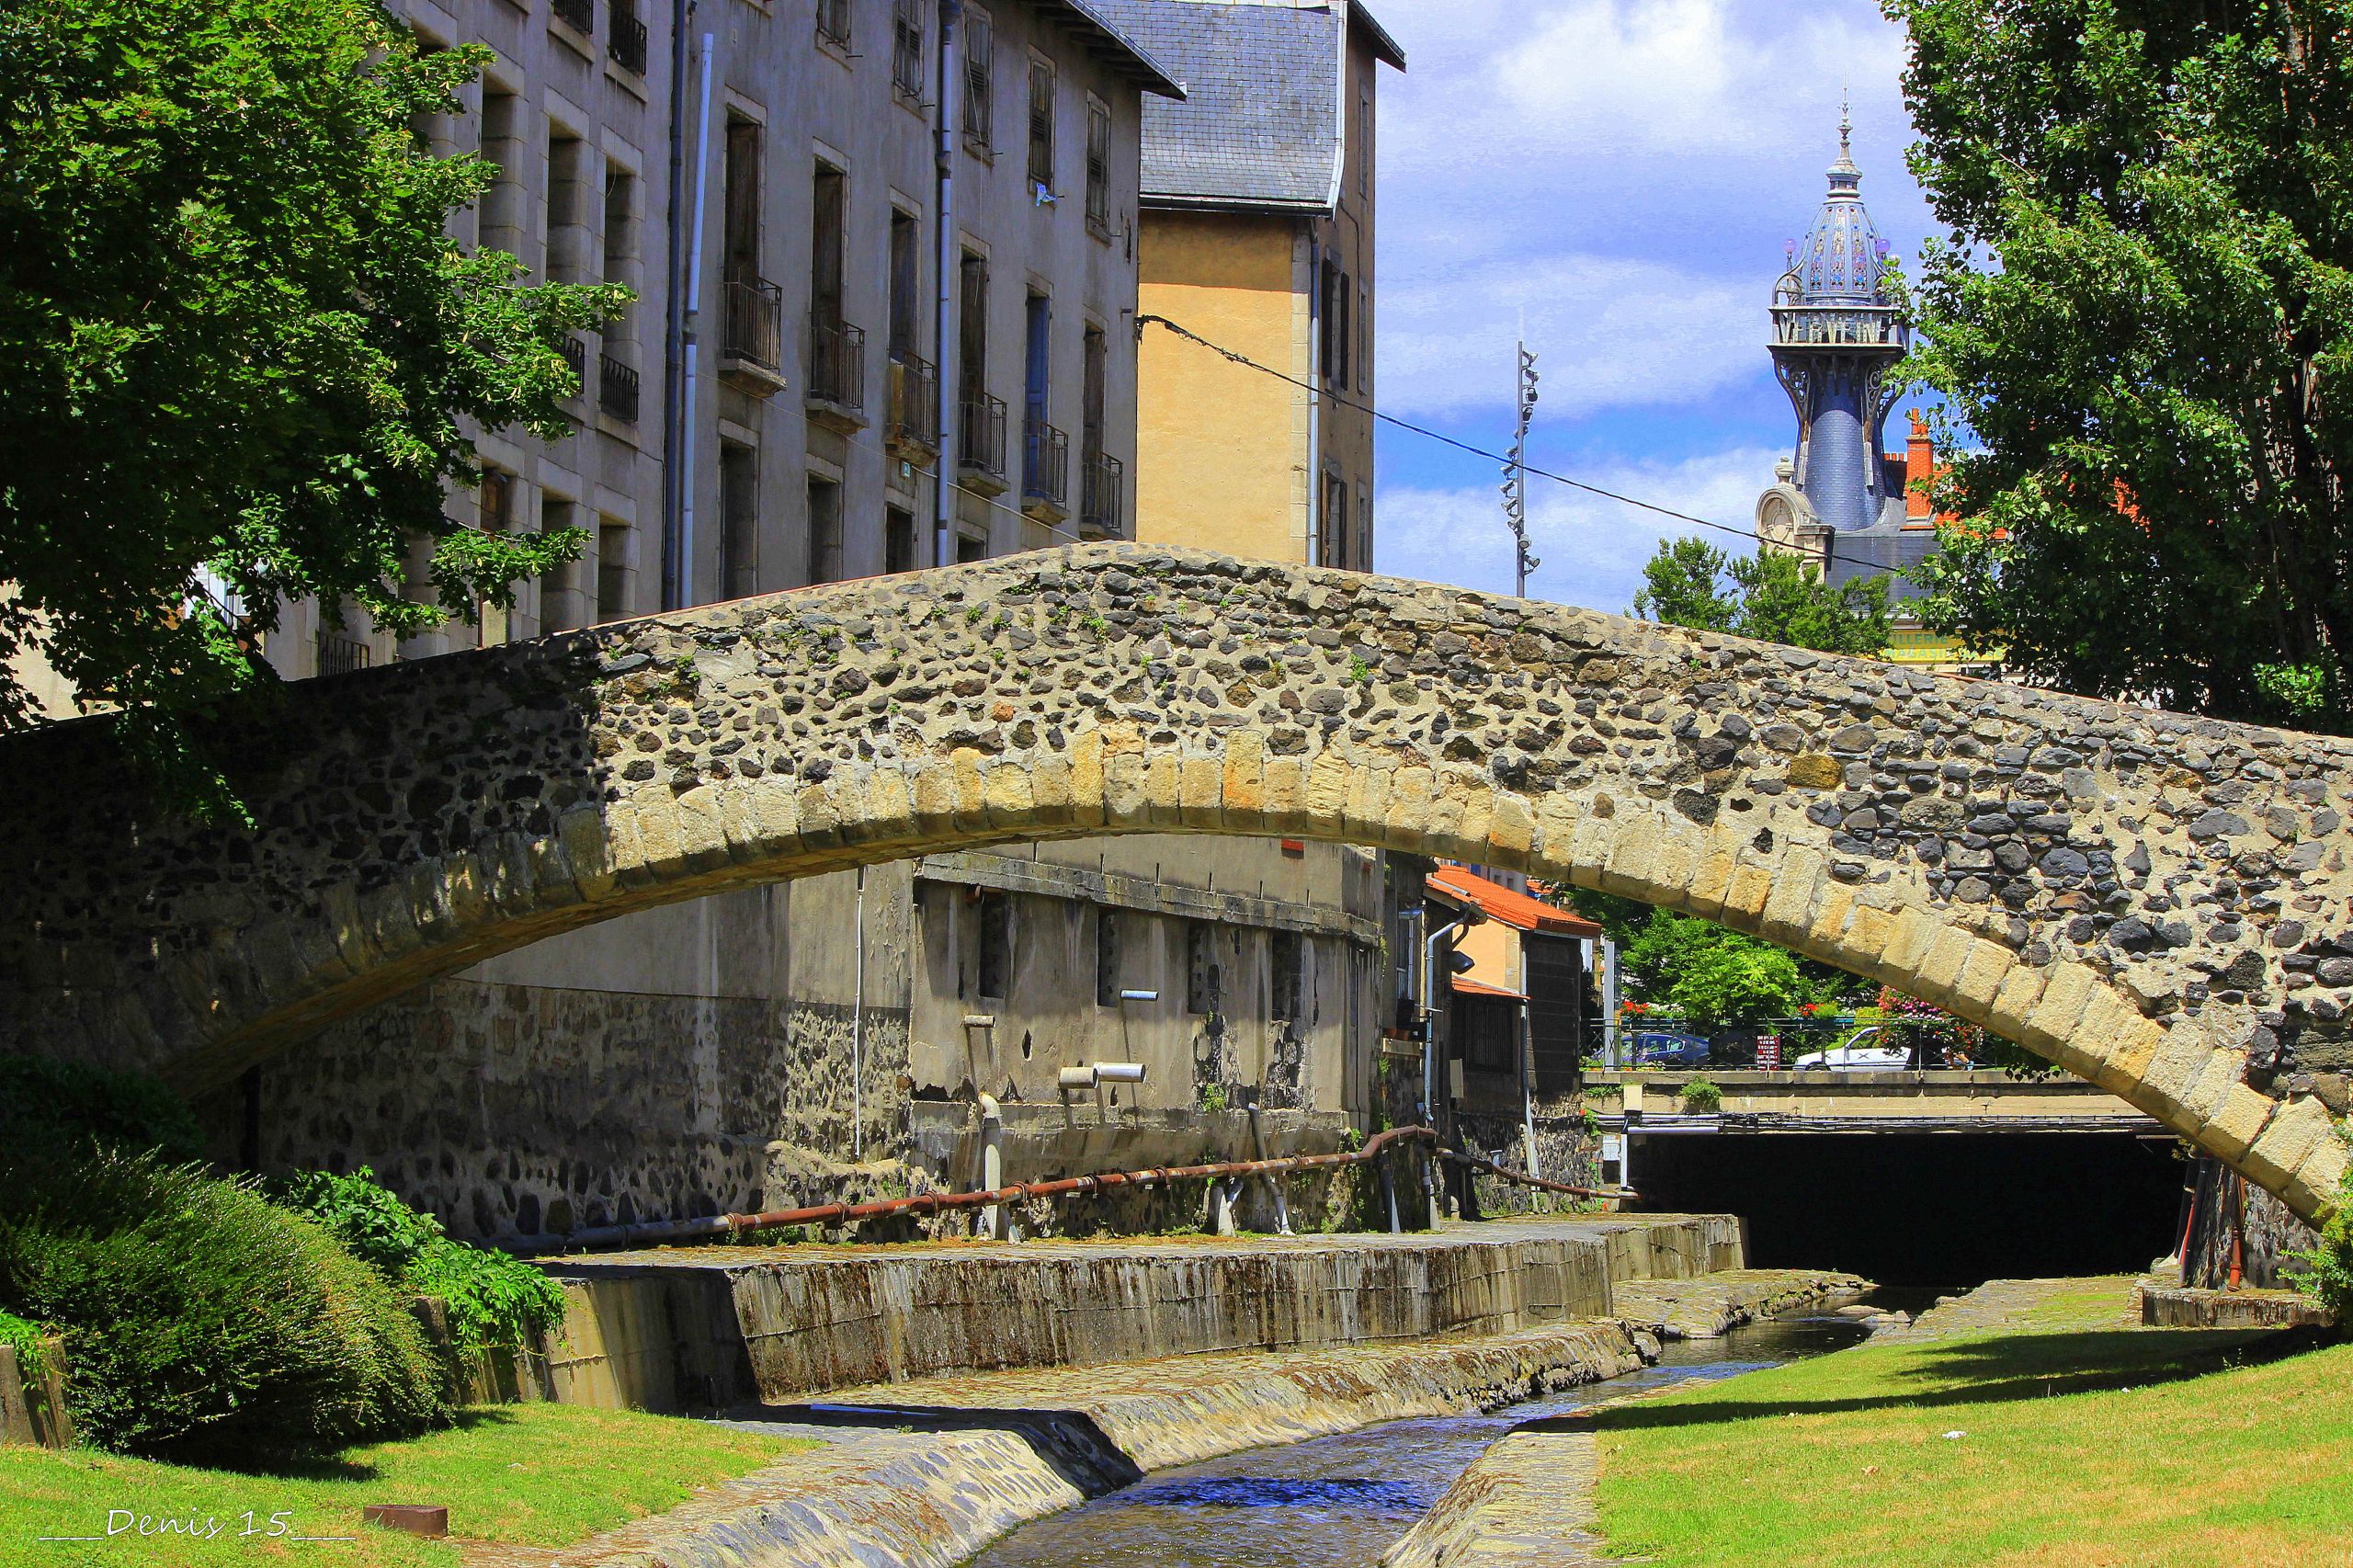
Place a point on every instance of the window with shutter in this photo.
(980, 82)
(1098, 169)
(1041, 127)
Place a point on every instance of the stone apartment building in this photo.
(836, 1035)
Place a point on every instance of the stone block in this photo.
(1511, 832)
(2021, 989)
(2231, 1131)
(969, 791)
(2066, 991)
(702, 840)
(1981, 974)
(1009, 796)
(1632, 853)
(1164, 790)
(2317, 1187)
(1286, 795)
(1788, 908)
(1086, 779)
(2295, 1130)
(1246, 778)
(1409, 807)
(1327, 794)
(1366, 816)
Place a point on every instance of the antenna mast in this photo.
(1515, 473)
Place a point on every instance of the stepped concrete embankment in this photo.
(923, 1474)
(712, 1327)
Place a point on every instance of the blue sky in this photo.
(1624, 173)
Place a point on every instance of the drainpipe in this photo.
(674, 327)
(943, 330)
(1527, 1084)
(992, 1164)
(1315, 398)
(857, 1035)
(1609, 1002)
(678, 565)
(1430, 1035)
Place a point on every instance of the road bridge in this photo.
(1652, 1104)
(2163, 906)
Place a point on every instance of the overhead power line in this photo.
(1751, 535)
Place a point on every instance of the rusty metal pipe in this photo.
(723, 1225)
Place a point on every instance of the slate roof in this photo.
(1128, 57)
(1261, 122)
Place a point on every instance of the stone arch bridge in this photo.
(2159, 903)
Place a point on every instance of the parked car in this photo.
(1861, 1052)
(1662, 1048)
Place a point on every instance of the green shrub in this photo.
(494, 1300)
(1701, 1097)
(195, 1311)
(65, 1104)
(2328, 1267)
(24, 1338)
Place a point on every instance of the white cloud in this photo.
(1610, 333)
(1592, 550)
(1624, 171)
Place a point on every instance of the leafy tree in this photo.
(2142, 316)
(240, 347)
(1773, 597)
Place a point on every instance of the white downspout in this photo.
(857, 1036)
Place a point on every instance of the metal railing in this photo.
(980, 435)
(1102, 494)
(575, 354)
(341, 655)
(837, 364)
(580, 16)
(915, 402)
(728, 1226)
(752, 322)
(1045, 465)
(625, 38)
(616, 389)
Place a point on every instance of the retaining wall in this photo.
(705, 1328)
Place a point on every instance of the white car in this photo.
(1858, 1054)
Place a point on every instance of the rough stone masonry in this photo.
(2157, 902)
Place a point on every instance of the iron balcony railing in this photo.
(915, 402)
(1045, 465)
(980, 435)
(752, 324)
(625, 38)
(616, 389)
(575, 354)
(837, 364)
(1102, 495)
(580, 16)
(341, 655)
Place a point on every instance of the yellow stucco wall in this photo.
(1221, 449)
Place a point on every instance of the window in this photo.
(1041, 127)
(1363, 142)
(740, 216)
(1489, 1027)
(1343, 334)
(898, 539)
(906, 50)
(1332, 526)
(1098, 169)
(996, 945)
(1107, 957)
(906, 280)
(1327, 309)
(612, 569)
(1286, 1000)
(832, 24)
(972, 327)
(620, 224)
(824, 530)
(828, 235)
(1037, 372)
(557, 609)
(1364, 337)
(980, 84)
(567, 239)
(1200, 968)
(494, 504)
(1095, 393)
(499, 210)
(739, 521)
(970, 547)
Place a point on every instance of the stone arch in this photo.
(2146, 899)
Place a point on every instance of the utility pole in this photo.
(1516, 473)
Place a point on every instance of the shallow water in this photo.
(1339, 1502)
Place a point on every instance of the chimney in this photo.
(1919, 471)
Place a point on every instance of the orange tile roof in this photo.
(1516, 910)
(1479, 988)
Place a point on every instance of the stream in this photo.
(1340, 1502)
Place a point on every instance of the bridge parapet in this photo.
(2163, 906)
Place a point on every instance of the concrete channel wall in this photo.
(713, 1327)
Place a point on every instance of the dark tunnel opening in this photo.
(1927, 1210)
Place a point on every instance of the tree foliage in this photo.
(241, 347)
(2143, 317)
(1773, 597)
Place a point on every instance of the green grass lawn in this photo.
(2081, 1447)
(531, 1474)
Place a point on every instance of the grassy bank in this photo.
(529, 1474)
(2079, 1446)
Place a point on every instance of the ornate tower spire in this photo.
(1837, 334)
